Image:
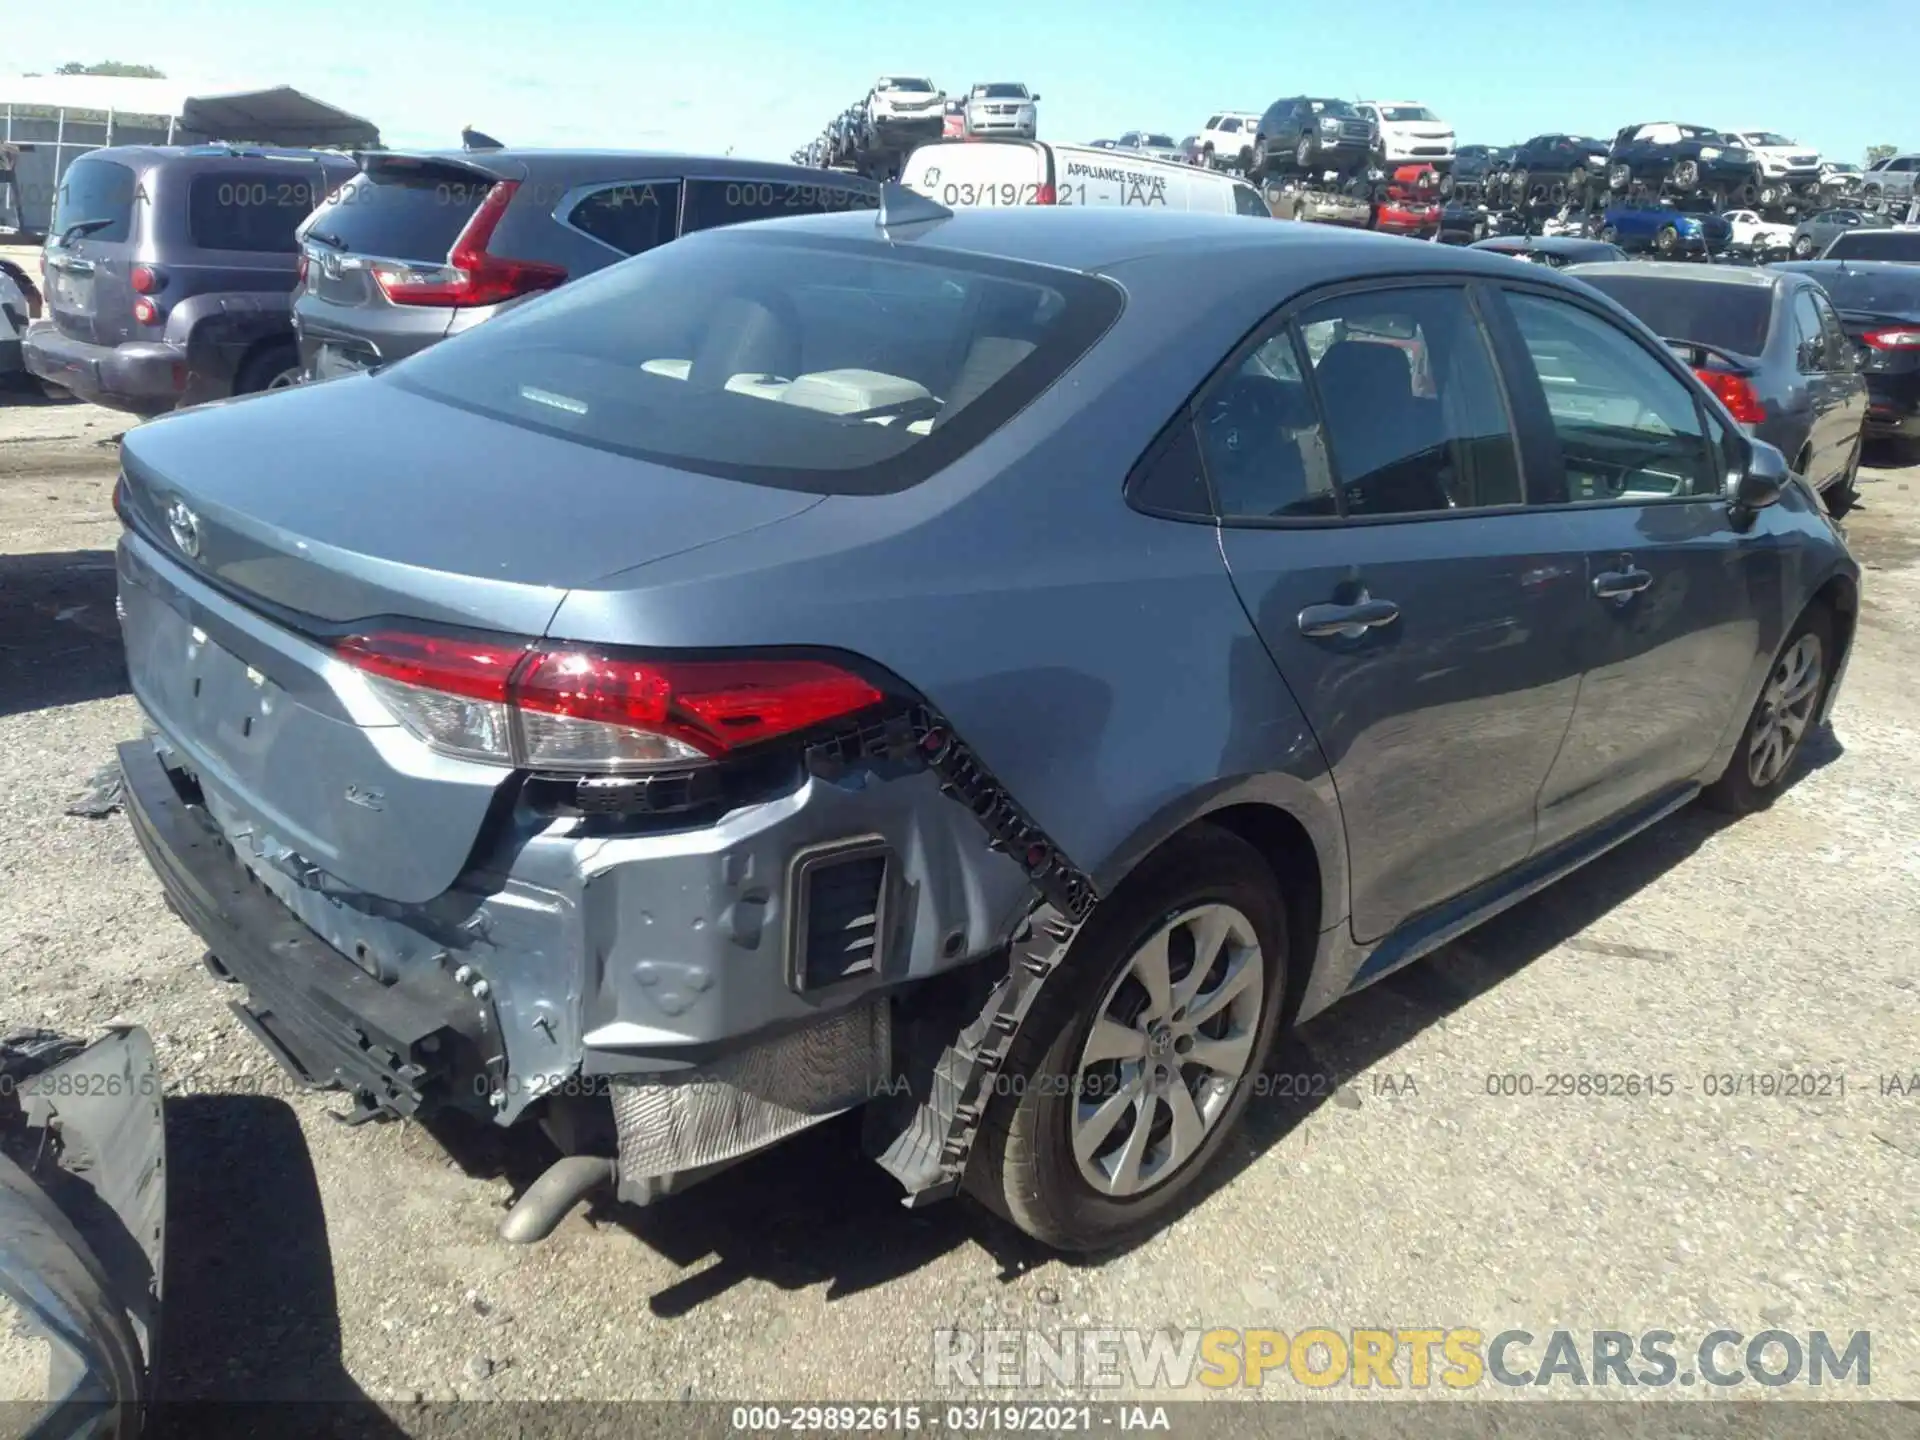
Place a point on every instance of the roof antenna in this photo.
(901, 206)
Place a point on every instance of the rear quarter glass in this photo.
(250, 210)
(828, 366)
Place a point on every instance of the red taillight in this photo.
(1894, 337)
(585, 711)
(1045, 196)
(145, 311)
(300, 269)
(471, 276)
(1736, 393)
(144, 279)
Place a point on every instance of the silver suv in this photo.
(1889, 183)
(1002, 107)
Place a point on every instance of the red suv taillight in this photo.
(575, 710)
(146, 311)
(1895, 337)
(145, 279)
(471, 276)
(1736, 393)
(1044, 196)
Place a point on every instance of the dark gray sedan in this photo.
(1770, 345)
(997, 669)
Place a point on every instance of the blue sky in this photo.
(763, 76)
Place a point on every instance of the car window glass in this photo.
(1414, 414)
(91, 190)
(1628, 428)
(1230, 126)
(732, 202)
(1838, 345)
(632, 218)
(1414, 419)
(1809, 340)
(1247, 201)
(248, 210)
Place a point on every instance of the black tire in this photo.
(1023, 1165)
(1305, 151)
(1619, 177)
(1519, 187)
(1737, 792)
(1257, 164)
(267, 368)
(1207, 157)
(1686, 174)
(1841, 496)
(1610, 234)
(1667, 241)
(1246, 160)
(1802, 247)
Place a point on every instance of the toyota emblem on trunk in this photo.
(184, 526)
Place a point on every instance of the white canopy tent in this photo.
(53, 119)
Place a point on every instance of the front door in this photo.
(1673, 588)
(1371, 495)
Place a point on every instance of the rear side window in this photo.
(1247, 201)
(1875, 245)
(838, 367)
(249, 210)
(95, 190)
(632, 218)
(1707, 312)
(402, 214)
(712, 203)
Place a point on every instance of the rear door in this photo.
(90, 242)
(398, 209)
(1633, 467)
(1843, 375)
(1371, 493)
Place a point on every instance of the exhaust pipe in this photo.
(547, 1201)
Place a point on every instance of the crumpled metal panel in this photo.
(748, 1100)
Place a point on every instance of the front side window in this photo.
(1247, 201)
(1229, 126)
(632, 217)
(830, 366)
(1398, 411)
(1629, 430)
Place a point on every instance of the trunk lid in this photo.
(262, 525)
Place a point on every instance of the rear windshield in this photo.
(1707, 312)
(1875, 245)
(91, 190)
(250, 210)
(401, 214)
(838, 367)
(712, 203)
(1870, 290)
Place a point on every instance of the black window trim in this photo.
(1706, 407)
(562, 214)
(1284, 317)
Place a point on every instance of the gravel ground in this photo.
(312, 1259)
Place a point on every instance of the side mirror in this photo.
(1034, 98)
(1759, 484)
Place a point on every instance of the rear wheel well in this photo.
(1284, 844)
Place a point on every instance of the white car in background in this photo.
(1226, 140)
(905, 108)
(1756, 236)
(1002, 107)
(1778, 157)
(1405, 131)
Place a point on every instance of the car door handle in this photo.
(1349, 622)
(1618, 584)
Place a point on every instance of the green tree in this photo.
(1877, 153)
(111, 67)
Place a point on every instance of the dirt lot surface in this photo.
(313, 1259)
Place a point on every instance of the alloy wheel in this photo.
(286, 379)
(1786, 710)
(1171, 1039)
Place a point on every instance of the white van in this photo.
(1035, 172)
